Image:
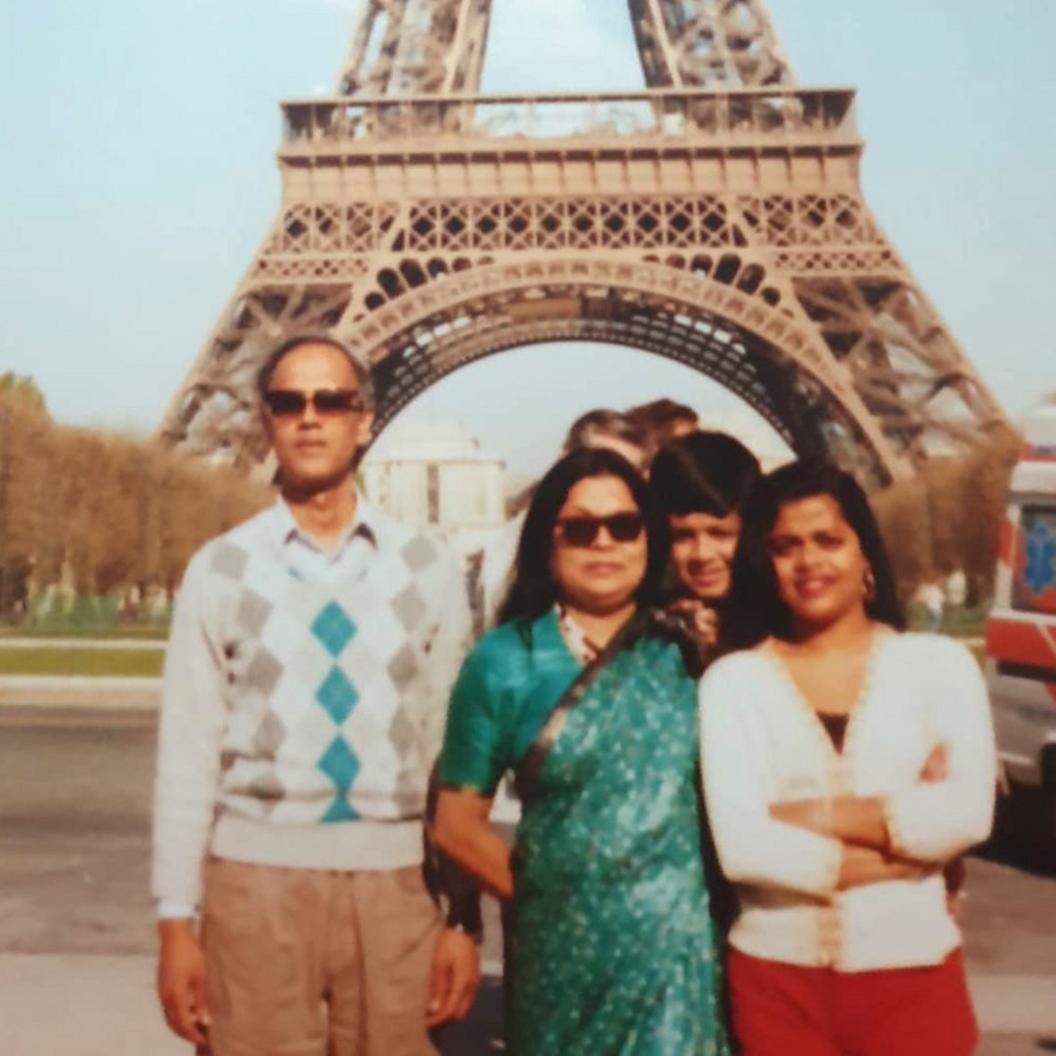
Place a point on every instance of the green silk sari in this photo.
(615, 950)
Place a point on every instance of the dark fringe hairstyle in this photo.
(703, 472)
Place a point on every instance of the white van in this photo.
(1021, 628)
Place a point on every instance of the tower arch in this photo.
(729, 333)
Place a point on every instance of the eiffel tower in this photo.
(715, 217)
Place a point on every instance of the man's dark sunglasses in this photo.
(582, 531)
(286, 403)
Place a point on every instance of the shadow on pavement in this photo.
(1024, 835)
(480, 1034)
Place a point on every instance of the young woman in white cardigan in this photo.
(845, 762)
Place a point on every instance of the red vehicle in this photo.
(1021, 628)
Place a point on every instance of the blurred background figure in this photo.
(932, 600)
(664, 419)
(616, 431)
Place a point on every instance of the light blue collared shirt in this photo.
(308, 558)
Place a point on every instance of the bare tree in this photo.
(108, 511)
(949, 516)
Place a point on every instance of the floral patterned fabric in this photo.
(615, 953)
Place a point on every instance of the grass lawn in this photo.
(49, 660)
(146, 632)
(115, 663)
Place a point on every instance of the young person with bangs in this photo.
(701, 481)
(586, 698)
(844, 762)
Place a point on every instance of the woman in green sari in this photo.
(585, 696)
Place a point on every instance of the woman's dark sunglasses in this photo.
(285, 403)
(582, 531)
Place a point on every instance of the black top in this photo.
(835, 727)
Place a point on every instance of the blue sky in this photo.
(137, 177)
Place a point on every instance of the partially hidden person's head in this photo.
(664, 419)
(591, 539)
(318, 409)
(701, 482)
(617, 432)
(810, 554)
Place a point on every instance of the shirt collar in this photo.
(284, 528)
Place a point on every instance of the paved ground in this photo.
(77, 691)
(76, 938)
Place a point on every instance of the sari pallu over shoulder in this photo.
(614, 942)
(526, 772)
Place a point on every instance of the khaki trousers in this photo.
(306, 962)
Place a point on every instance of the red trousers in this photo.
(788, 1010)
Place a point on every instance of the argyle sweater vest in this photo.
(322, 712)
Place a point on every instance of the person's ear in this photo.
(366, 428)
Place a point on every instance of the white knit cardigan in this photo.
(762, 743)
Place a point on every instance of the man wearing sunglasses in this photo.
(312, 652)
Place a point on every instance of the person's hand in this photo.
(937, 765)
(953, 905)
(860, 866)
(701, 621)
(806, 813)
(454, 977)
(181, 980)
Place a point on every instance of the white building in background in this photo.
(433, 474)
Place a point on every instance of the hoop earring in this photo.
(869, 585)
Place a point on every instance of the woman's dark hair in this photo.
(703, 472)
(754, 609)
(534, 589)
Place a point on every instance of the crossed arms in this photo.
(821, 845)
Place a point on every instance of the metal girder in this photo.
(402, 47)
(715, 217)
(708, 44)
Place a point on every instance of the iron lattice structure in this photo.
(715, 217)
